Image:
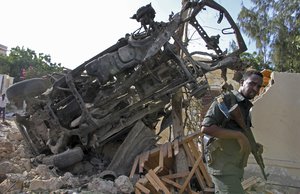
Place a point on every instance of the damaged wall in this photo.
(276, 123)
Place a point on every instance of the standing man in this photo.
(3, 102)
(227, 149)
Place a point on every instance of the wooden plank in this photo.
(188, 153)
(192, 160)
(146, 168)
(141, 164)
(146, 155)
(142, 188)
(137, 191)
(173, 183)
(177, 175)
(191, 136)
(250, 179)
(205, 174)
(200, 178)
(134, 167)
(155, 151)
(176, 147)
(159, 182)
(161, 157)
(157, 169)
(172, 189)
(192, 172)
(194, 150)
(165, 150)
(170, 151)
(187, 138)
(143, 158)
(249, 182)
(143, 180)
(153, 182)
(194, 192)
(197, 153)
(209, 190)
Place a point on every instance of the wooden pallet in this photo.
(155, 168)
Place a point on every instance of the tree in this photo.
(274, 26)
(4, 64)
(24, 63)
(256, 61)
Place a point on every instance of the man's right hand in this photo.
(244, 143)
(219, 132)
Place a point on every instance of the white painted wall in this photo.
(276, 122)
(5, 82)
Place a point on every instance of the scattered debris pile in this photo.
(20, 173)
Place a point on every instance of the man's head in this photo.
(251, 83)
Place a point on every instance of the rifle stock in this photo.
(237, 116)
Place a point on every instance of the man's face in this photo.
(251, 86)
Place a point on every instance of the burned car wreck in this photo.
(75, 116)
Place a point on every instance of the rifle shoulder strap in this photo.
(232, 101)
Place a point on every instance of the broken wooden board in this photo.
(249, 182)
(156, 168)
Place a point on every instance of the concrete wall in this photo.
(5, 82)
(276, 122)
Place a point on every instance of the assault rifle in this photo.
(236, 115)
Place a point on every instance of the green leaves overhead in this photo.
(275, 27)
(24, 63)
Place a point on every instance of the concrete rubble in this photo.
(21, 173)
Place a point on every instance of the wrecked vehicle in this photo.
(75, 116)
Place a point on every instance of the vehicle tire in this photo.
(27, 88)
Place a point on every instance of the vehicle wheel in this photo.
(27, 88)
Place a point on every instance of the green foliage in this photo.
(4, 64)
(26, 60)
(275, 27)
(256, 61)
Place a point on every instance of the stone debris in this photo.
(106, 187)
(21, 172)
(123, 184)
(260, 186)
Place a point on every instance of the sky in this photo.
(73, 31)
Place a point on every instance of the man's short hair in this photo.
(250, 72)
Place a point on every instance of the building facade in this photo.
(3, 49)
